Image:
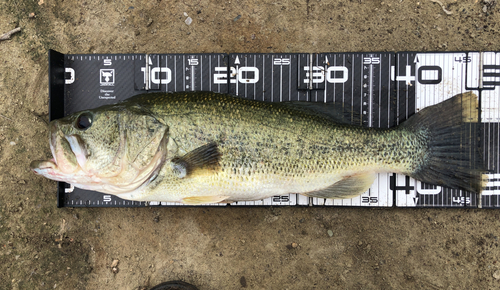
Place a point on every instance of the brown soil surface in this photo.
(43, 247)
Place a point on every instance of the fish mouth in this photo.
(69, 155)
(41, 165)
(47, 168)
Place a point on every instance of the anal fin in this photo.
(197, 200)
(348, 187)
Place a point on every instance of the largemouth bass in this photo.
(204, 147)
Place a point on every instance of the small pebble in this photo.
(330, 233)
(12, 143)
(185, 14)
(243, 282)
(115, 263)
(496, 275)
(188, 21)
(237, 18)
(295, 245)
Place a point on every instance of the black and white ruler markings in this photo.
(489, 84)
(378, 89)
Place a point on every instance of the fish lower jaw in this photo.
(43, 164)
(47, 169)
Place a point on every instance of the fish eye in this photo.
(84, 121)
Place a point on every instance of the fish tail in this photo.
(451, 130)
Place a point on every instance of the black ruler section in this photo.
(56, 84)
(186, 72)
(360, 83)
(76, 197)
(268, 77)
(56, 102)
(95, 80)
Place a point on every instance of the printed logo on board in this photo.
(107, 77)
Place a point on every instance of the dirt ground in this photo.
(43, 247)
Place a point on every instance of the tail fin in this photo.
(454, 159)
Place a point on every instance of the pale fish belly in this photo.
(236, 187)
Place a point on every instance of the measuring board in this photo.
(381, 89)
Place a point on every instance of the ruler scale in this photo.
(375, 89)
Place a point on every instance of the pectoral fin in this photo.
(196, 200)
(348, 187)
(202, 160)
